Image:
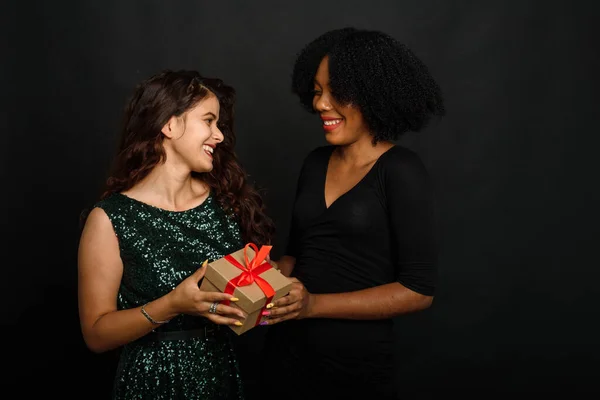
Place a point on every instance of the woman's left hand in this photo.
(295, 305)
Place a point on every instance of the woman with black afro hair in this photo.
(362, 246)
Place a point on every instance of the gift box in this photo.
(246, 274)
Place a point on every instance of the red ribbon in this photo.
(251, 273)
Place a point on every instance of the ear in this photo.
(170, 127)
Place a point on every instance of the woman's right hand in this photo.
(188, 298)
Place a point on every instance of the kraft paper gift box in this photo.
(246, 274)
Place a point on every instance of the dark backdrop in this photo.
(513, 166)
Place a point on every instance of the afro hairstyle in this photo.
(370, 70)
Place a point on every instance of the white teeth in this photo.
(208, 148)
(332, 122)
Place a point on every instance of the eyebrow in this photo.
(211, 114)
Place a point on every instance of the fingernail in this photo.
(270, 305)
(205, 262)
(238, 323)
(266, 313)
(264, 323)
(233, 299)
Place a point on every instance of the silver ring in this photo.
(213, 307)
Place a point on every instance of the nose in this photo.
(218, 135)
(322, 103)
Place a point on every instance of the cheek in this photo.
(203, 131)
(354, 120)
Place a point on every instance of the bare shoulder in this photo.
(97, 220)
(98, 245)
(97, 228)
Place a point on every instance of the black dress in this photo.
(380, 231)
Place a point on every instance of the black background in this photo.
(514, 167)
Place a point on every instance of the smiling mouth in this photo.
(208, 150)
(331, 124)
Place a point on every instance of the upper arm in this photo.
(99, 269)
(411, 213)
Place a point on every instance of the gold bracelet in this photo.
(149, 318)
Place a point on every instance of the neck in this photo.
(168, 186)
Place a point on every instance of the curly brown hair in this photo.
(172, 93)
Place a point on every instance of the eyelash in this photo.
(209, 121)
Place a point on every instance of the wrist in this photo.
(149, 317)
(171, 304)
(285, 269)
(161, 310)
(312, 306)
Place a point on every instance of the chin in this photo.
(203, 168)
(336, 139)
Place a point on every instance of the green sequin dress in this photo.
(159, 249)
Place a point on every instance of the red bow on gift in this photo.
(251, 272)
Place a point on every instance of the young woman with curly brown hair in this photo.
(177, 196)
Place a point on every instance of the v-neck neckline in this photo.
(355, 186)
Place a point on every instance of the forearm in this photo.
(117, 328)
(286, 265)
(386, 301)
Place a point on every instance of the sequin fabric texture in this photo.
(159, 249)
